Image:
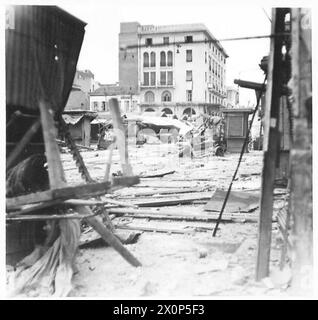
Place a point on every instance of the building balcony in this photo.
(143, 85)
(166, 85)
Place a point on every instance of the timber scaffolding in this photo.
(62, 206)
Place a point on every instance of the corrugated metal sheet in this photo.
(42, 49)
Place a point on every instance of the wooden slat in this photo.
(86, 190)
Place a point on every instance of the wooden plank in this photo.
(163, 192)
(171, 201)
(162, 214)
(60, 194)
(271, 143)
(150, 229)
(109, 237)
(82, 191)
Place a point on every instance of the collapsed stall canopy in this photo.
(42, 48)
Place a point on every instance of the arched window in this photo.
(166, 96)
(146, 59)
(167, 111)
(163, 61)
(170, 58)
(149, 97)
(189, 111)
(152, 59)
(149, 110)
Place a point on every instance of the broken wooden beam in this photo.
(166, 215)
(163, 192)
(108, 236)
(60, 194)
(41, 217)
(171, 201)
(150, 229)
(84, 202)
(157, 174)
(85, 190)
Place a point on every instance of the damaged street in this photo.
(174, 242)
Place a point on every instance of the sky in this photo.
(99, 51)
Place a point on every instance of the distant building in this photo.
(177, 69)
(232, 97)
(99, 99)
(84, 79)
(83, 84)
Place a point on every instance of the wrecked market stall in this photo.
(43, 212)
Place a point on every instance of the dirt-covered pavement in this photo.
(190, 263)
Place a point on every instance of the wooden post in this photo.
(301, 151)
(120, 134)
(270, 146)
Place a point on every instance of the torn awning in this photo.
(163, 122)
(72, 119)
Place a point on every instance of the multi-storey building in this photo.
(176, 69)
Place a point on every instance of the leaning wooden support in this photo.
(120, 134)
(22, 143)
(108, 236)
(109, 160)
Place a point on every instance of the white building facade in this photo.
(181, 68)
(99, 100)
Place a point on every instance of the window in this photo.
(149, 97)
(148, 41)
(205, 76)
(146, 59)
(189, 55)
(205, 58)
(188, 39)
(95, 105)
(166, 40)
(169, 58)
(210, 67)
(152, 78)
(146, 78)
(126, 106)
(204, 96)
(163, 59)
(152, 59)
(103, 105)
(170, 77)
(166, 96)
(189, 75)
(163, 77)
(189, 95)
(210, 100)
